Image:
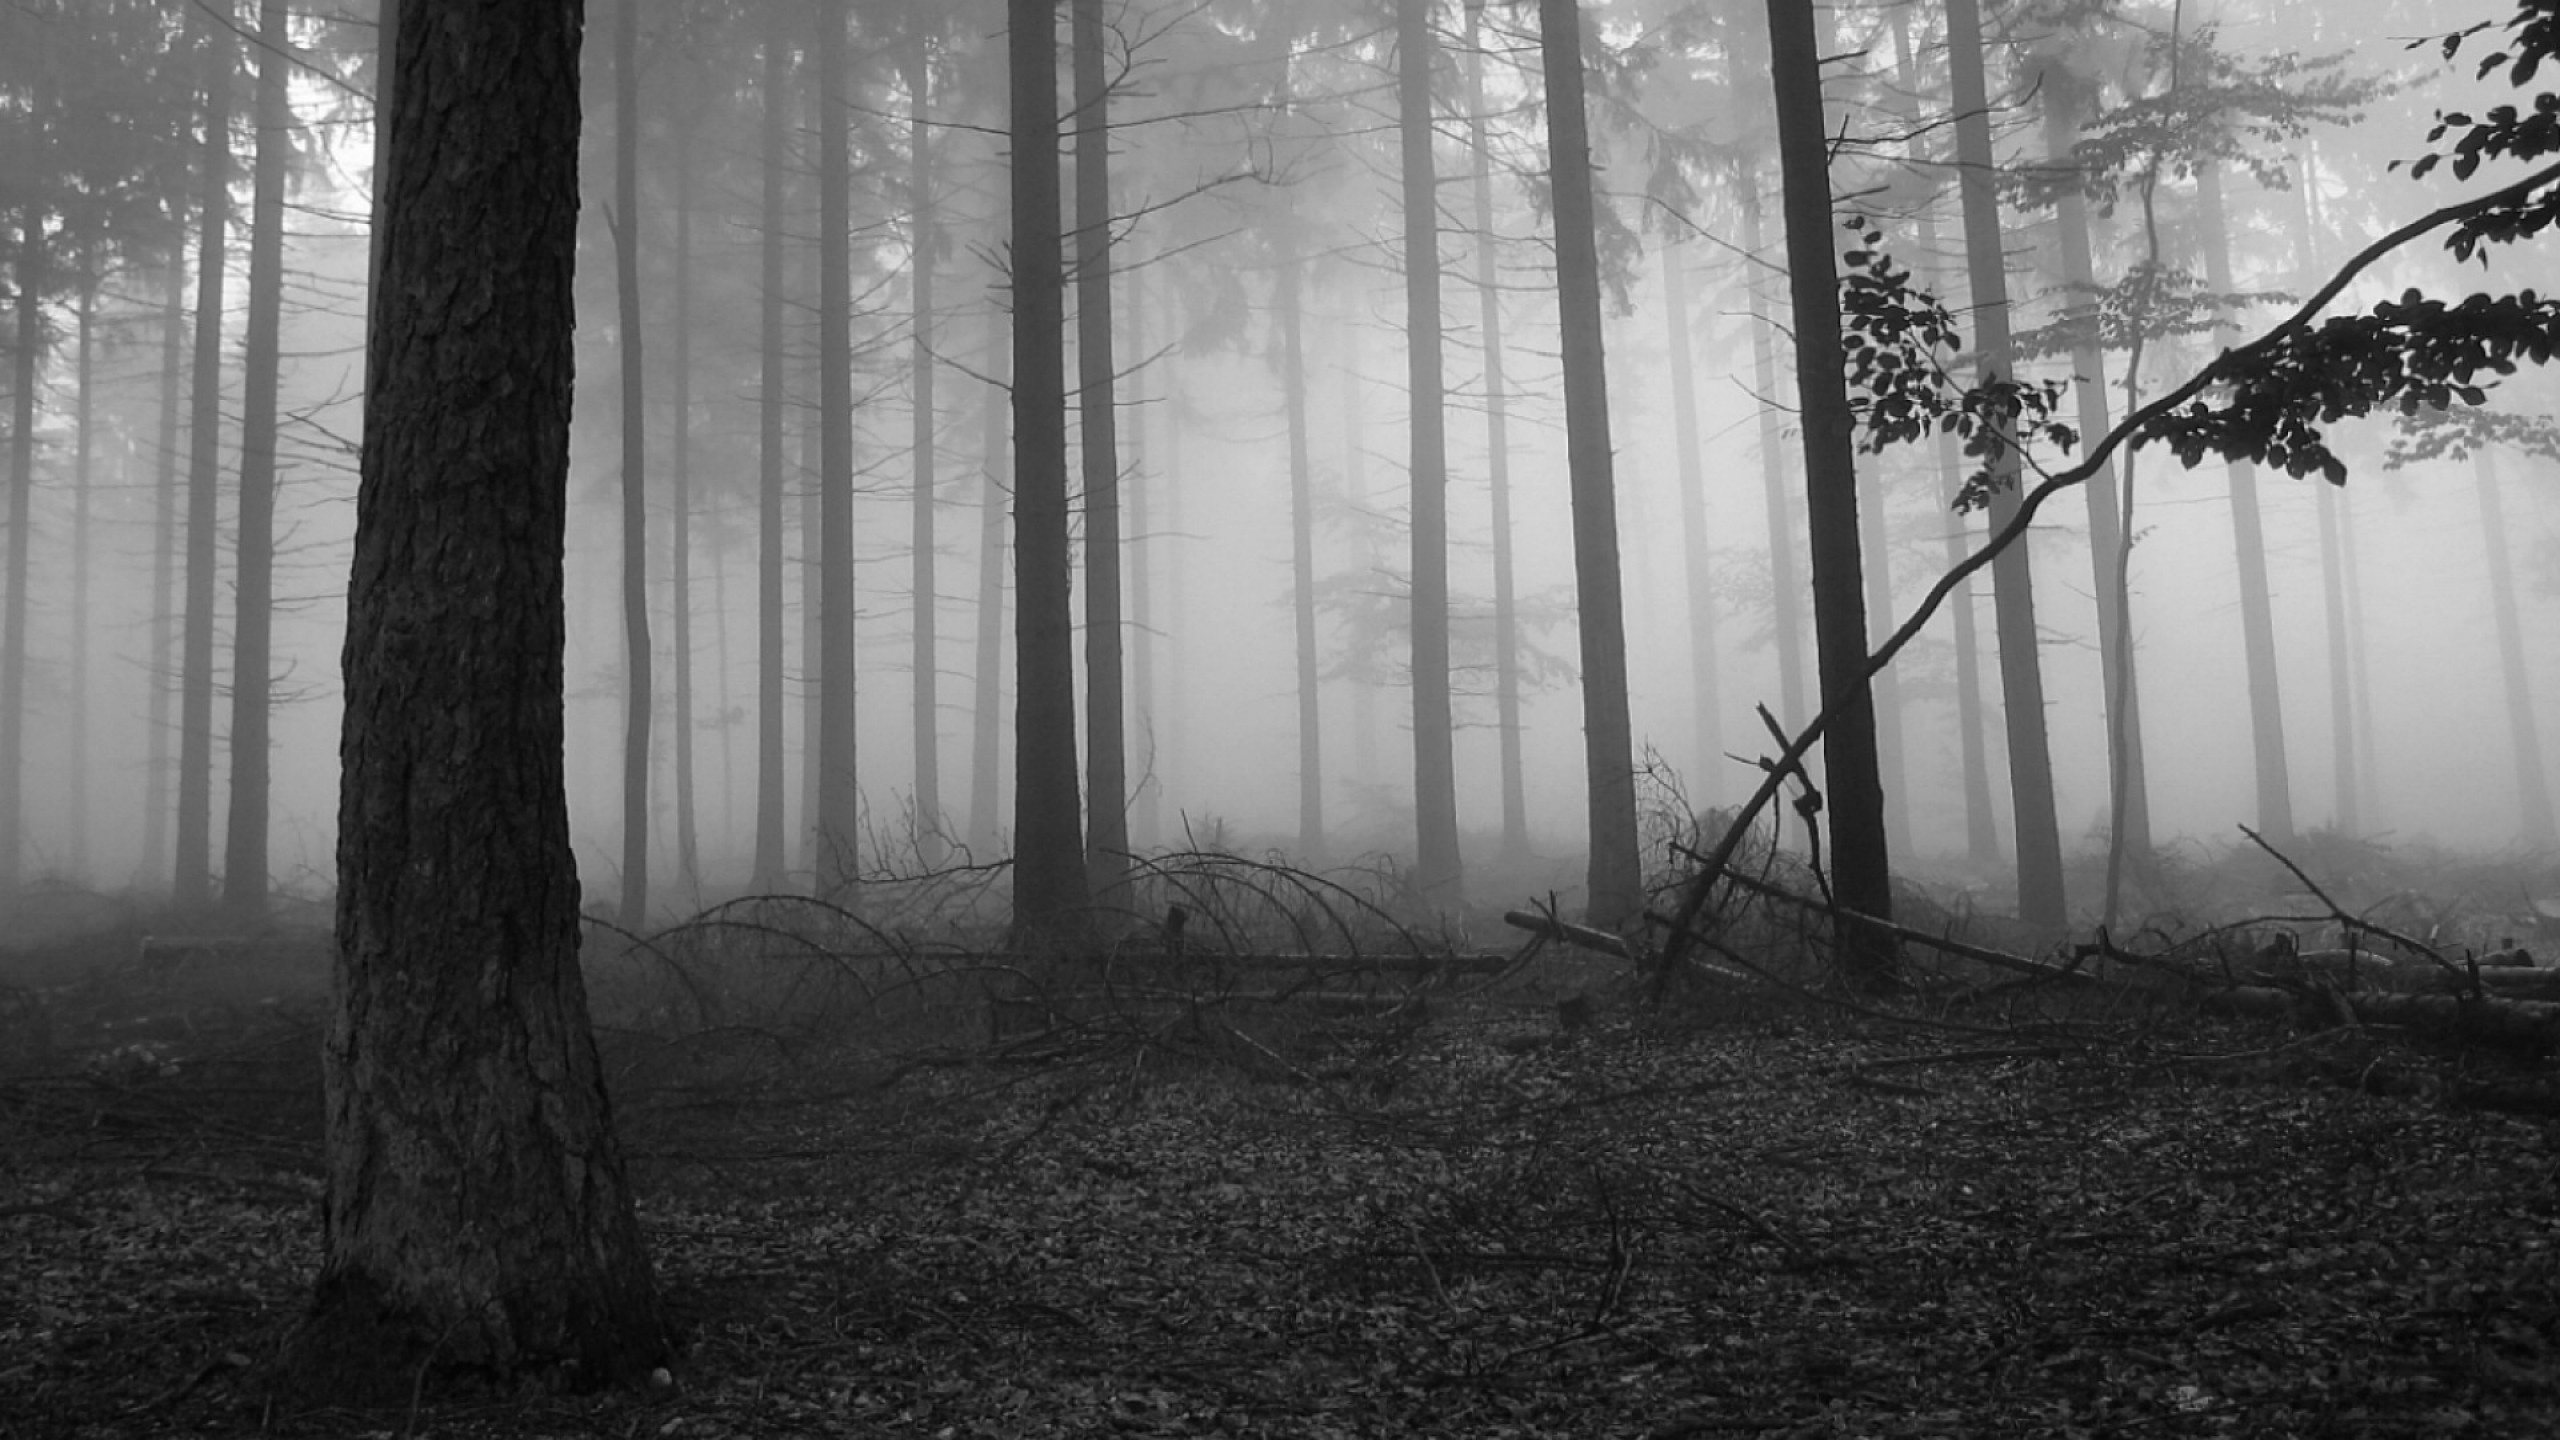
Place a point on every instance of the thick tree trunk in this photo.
(986, 704)
(1497, 448)
(774, 385)
(2041, 900)
(922, 241)
(1862, 879)
(1105, 739)
(1609, 771)
(2533, 787)
(1786, 584)
(1706, 778)
(1438, 871)
(2249, 548)
(634, 911)
(839, 818)
(164, 566)
(244, 862)
(1049, 895)
(476, 1219)
(192, 888)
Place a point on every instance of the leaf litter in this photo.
(1801, 1227)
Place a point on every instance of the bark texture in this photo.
(477, 1221)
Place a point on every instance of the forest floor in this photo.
(1808, 1218)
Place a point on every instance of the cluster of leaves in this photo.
(2415, 354)
(1893, 333)
(2505, 132)
(2455, 434)
(2152, 301)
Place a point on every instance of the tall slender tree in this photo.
(1616, 874)
(680, 727)
(2249, 551)
(1105, 738)
(915, 65)
(635, 450)
(1049, 894)
(1438, 870)
(772, 397)
(1497, 446)
(244, 862)
(2533, 785)
(1862, 879)
(2041, 899)
(1777, 494)
(839, 819)
(193, 884)
(1705, 697)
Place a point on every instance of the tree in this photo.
(1438, 871)
(1106, 744)
(1862, 880)
(192, 887)
(634, 910)
(2065, 97)
(1049, 895)
(1705, 692)
(244, 855)
(838, 820)
(772, 395)
(1497, 443)
(915, 65)
(2041, 900)
(476, 1220)
(1616, 875)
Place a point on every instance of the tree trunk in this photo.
(2128, 787)
(1289, 301)
(1706, 779)
(1982, 839)
(680, 523)
(839, 819)
(192, 889)
(1106, 743)
(923, 239)
(2332, 504)
(2249, 546)
(2041, 900)
(22, 477)
(1049, 895)
(1497, 448)
(1862, 879)
(634, 912)
(1138, 543)
(2533, 789)
(1609, 770)
(774, 385)
(164, 565)
(986, 717)
(244, 864)
(476, 1219)
(1786, 587)
(1438, 871)
(83, 478)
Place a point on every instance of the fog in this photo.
(1212, 174)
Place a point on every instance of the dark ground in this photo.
(1762, 1219)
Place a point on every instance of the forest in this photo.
(748, 685)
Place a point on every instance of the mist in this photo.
(1244, 147)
